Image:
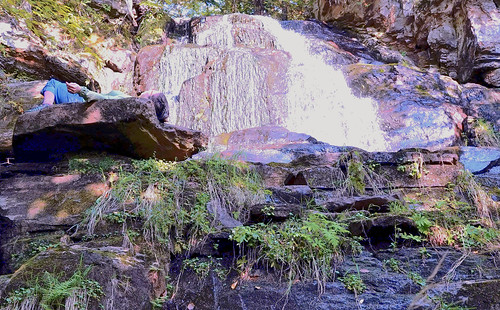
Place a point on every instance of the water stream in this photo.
(320, 103)
(318, 99)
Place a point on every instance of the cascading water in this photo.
(318, 99)
(320, 103)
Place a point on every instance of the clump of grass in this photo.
(88, 165)
(398, 207)
(483, 133)
(357, 176)
(298, 248)
(172, 199)
(456, 223)
(50, 292)
(487, 209)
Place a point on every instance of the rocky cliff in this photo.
(276, 211)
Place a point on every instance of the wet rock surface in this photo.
(393, 275)
(386, 288)
(417, 107)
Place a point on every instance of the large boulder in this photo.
(42, 202)
(417, 108)
(127, 126)
(123, 279)
(242, 76)
(462, 37)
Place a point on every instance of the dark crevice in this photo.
(298, 179)
(383, 237)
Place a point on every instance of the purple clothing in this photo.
(61, 93)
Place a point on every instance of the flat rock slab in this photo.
(126, 126)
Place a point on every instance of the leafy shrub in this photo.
(300, 248)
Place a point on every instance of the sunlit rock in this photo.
(417, 108)
(239, 89)
(246, 71)
(268, 144)
(460, 36)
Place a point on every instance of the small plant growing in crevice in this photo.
(202, 267)
(395, 265)
(353, 283)
(441, 304)
(479, 132)
(50, 292)
(31, 249)
(298, 248)
(487, 209)
(415, 169)
(398, 207)
(357, 176)
(416, 278)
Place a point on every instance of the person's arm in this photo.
(48, 97)
(86, 93)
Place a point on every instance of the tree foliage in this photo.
(282, 9)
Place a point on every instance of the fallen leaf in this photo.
(233, 286)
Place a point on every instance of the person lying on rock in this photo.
(56, 92)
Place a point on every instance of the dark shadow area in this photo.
(298, 179)
(5, 235)
(383, 237)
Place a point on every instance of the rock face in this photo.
(233, 77)
(37, 225)
(126, 126)
(412, 113)
(25, 54)
(462, 37)
(39, 203)
(221, 75)
(15, 98)
(237, 72)
(267, 144)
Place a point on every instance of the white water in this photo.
(320, 103)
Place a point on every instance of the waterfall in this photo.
(317, 101)
(320, 103)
